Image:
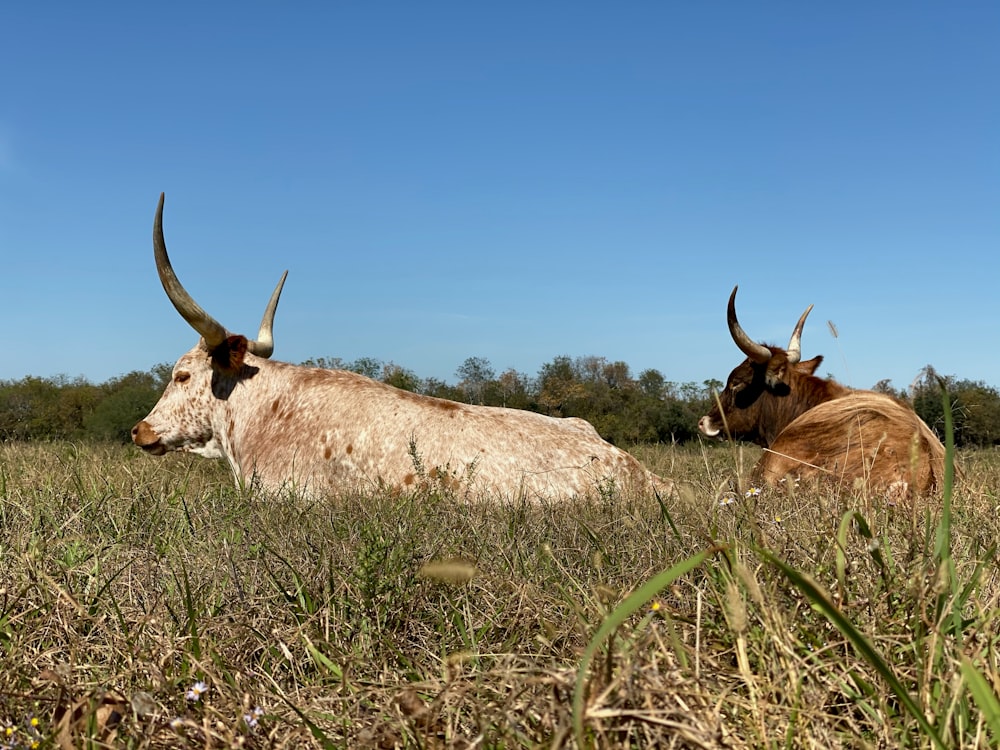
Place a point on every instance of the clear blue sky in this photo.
(514, 181)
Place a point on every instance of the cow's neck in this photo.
(811, 392)
(243, 421)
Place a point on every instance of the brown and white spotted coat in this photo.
(285, 426)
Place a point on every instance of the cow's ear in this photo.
(810, 366)
(228, 356)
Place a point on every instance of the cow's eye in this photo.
(182, 377)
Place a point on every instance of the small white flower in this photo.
(727, 500)
(752, 492)
(196, 691)
(251, 719)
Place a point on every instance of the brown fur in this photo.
(814, 427)
(229, 356)
(860, 440)
(760, 400)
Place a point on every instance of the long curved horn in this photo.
(756, 352)
(264, 345)
(210, 329)
(795, 344)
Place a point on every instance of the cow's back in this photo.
(864, 439)
(340, 430)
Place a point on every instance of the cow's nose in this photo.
(144, 435)
(706, 427)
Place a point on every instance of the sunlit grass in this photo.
(149, 603)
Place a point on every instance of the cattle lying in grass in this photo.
(284, 426)
(813, 427)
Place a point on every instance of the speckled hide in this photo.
(308, 429)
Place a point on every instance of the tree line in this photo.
(624, 408)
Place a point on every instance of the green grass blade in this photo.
(858, 640)
(841, 555)
(632, 603)
(322, 660)
(665, 515)
(192, 617)
(314, 729)
(984, 696)
(942, 548)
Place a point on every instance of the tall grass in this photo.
(149, 603)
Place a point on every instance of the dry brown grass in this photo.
(425, 622)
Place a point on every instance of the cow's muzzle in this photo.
(146, 438)
(705, 426)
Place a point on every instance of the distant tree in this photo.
(400, 377)
(370, 367)
(698, 397)
(653, 384)
(14, 410)
(326, 363)
(45, 408)
(29, 409)
(77, 401)
(600, 404)
(162, 374)
(559, 388)
(974, 406)
(617, 375)
(126, 400)
(601, 392)
(981, 406)
(475, 374)
(589, 368)
(926, 396)
(680, 420)
(440, 389)
(514, 389)
(668, 412)
(885, 386)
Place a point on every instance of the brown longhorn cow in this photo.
(811, 427)
(283, 426)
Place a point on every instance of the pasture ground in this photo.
(148, 603)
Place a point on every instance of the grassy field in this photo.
(149, 603)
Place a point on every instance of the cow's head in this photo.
(763, 393)
(181, 419)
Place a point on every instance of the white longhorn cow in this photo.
(283, 426)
